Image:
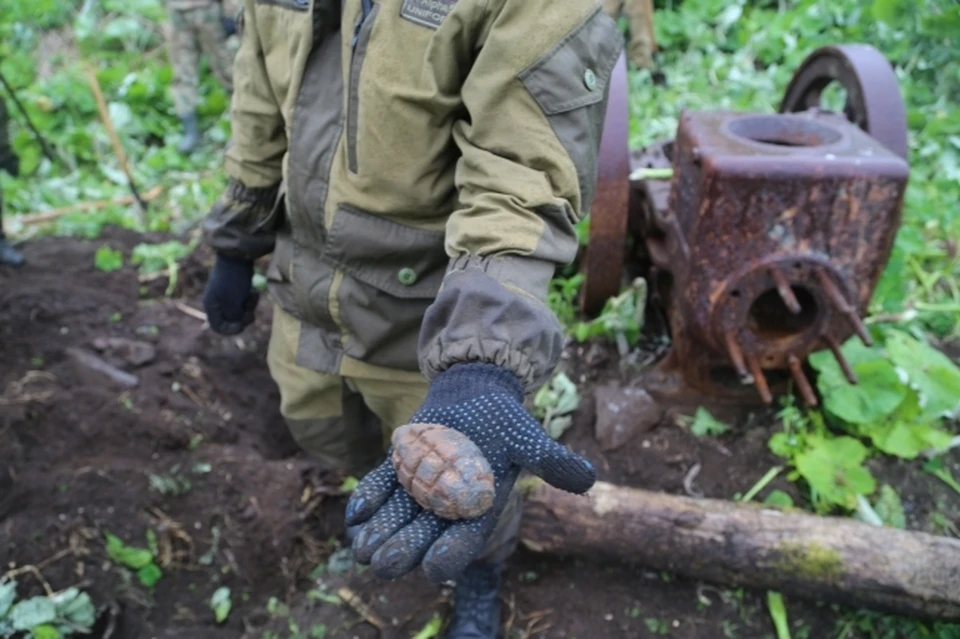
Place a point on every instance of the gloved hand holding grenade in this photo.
(438, 495)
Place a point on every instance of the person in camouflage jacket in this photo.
(416, 169)
(10, 163)
(643, 42)
(195, 27)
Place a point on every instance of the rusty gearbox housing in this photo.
(769, 239)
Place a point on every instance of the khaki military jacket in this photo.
(416, 167)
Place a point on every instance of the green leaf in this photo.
(908, 440)
(107, 259)
(778, 612)
(33, 612)
(557, 426)
(325, 597)
(133, 558)
(318, 631)
(943, 25)
(431, 629)
(559, 397)
(785, 444)
(45, 632)
(704, 424)
(779, 499)
(152, 543)
(936, 468)
(931, 373)
(156, 257)
(890, 508)
(340, 562)
(878, 392)
(75, 607)
(906, 433)
(887, 10)
(150, 575)
(8, 594)
(349, 484)
(833, 468)
(220, 604)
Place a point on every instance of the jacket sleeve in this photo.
(240, 222)
(535, 101)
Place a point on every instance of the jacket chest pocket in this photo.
(359, 42)
(392, 273)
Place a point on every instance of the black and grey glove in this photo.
(229, 298)
(229, 26)
(484, 402)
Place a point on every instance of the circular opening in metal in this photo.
(834, 98)
(778, 130)
(770, 320)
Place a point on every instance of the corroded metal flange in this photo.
(607, 245)
(873, 102)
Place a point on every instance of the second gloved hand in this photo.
(229, 299)
(484, 402)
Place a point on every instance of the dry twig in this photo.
(192, 312)
(43, 217)
(35, 570)
(367, 612)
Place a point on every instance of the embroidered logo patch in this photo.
(296, 5)
(426, 13)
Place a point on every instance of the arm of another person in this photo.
(239, 225)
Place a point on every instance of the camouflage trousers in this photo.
(345, 423)
(639, 14)
(192, 32)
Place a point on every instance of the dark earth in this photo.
(197, 452)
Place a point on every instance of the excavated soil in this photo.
(197, 453)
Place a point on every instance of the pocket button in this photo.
(407, 276)
(590, 79)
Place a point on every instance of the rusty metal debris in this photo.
(612, 194)
(769, 239)
(872, 93)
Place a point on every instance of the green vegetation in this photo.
(44, 49)
(62, 614)
(139, 560)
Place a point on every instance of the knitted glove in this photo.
(228, 298)
(484, 402)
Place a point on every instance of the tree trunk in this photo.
(828, 559)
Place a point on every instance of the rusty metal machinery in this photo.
(770, 237)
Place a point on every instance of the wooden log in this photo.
(828, 559)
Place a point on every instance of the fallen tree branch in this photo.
(831, 559)
(42, 217)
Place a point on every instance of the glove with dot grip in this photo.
(485, 403)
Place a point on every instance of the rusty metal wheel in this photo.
(873, 100)
(606, 247)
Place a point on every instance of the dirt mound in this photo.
(173, 440)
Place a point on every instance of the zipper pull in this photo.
(356, 33)
(366, 6)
